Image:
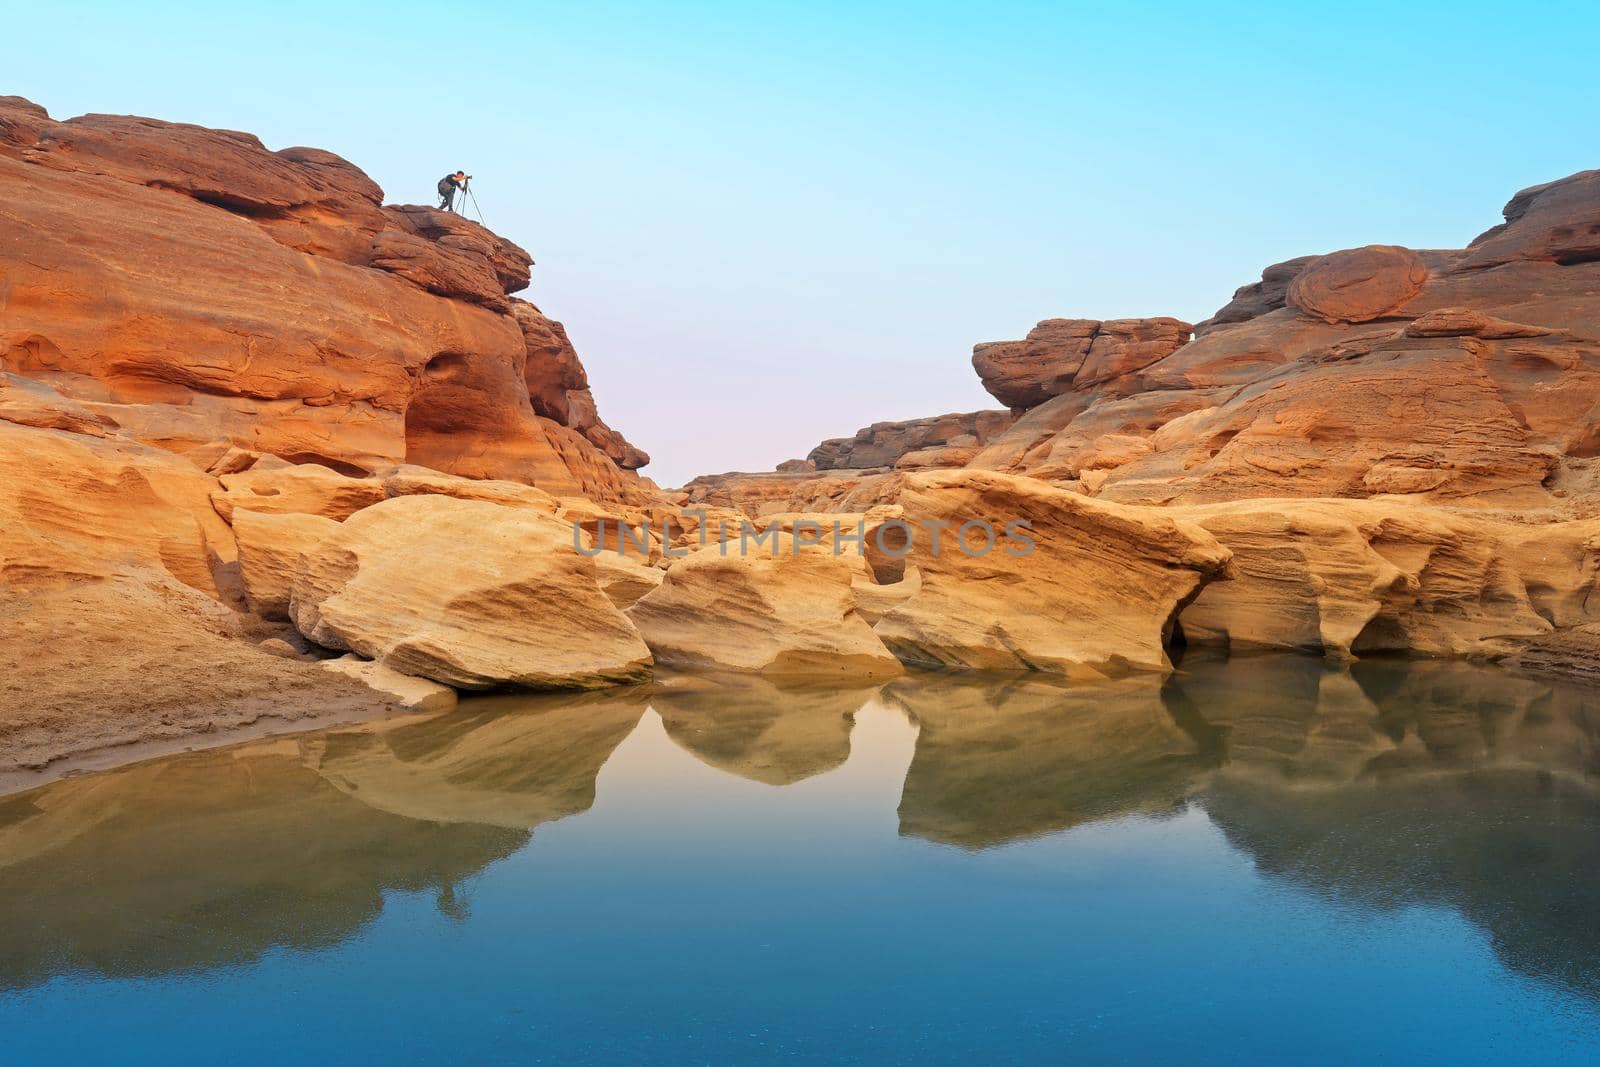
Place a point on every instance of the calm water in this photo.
(1257, 861)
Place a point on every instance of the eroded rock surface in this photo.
(467, 593)
(192, 285)
(762, 608)
(1095, 595)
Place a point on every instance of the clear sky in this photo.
(766, 224)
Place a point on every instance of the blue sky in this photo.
(766, 224)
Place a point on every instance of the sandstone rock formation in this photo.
(272, 549)
(117, 625)
(238, 391)
(1358, 284)
(888, 444)
(1064, 355)
(1095, 595)
(194, 286)
(1346, 577)
(1463, 378)
(466, 593)
(409, 692)
(771, 609)
(198, 333)
(558, 386)
(1557, 222)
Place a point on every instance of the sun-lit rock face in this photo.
(1460, 377)
(193, 286)
(773, 609)
(1083, 588)
(117, 596)
(1345, 577)
(467, 593)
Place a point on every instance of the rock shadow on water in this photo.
(211, 859)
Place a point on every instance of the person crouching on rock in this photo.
(448, 186)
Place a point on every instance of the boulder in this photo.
(409, 694)
(467, 593)
(624, 578)
(1358, 284)
(765, 608)
(272, 550)
(117, 582)
(1257, 298)
(1095, 594)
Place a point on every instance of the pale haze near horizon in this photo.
(768, 226)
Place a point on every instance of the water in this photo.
(1254, 861)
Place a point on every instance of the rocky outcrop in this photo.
(1065, 355)
(760, 494)
(558, 386)
(408, 692)
(466, 593)
(780, 610)
(1257, 298)
(1558, 222)
(193, 286)
(1079, 588)
(1346, 577)
(117, 620)
(888, 444)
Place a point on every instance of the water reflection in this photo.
(1391, 783)
(759, 729)
(1001, 760)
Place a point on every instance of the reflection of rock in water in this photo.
(206, 860)
(514, 761)
(999, 760)
(1514, 851)
(1289, 716)
(1295, 719)
(211, 859)
(758, 728)
(1463, 715)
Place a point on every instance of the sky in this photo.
(768, 224)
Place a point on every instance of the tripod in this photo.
(466, 187)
